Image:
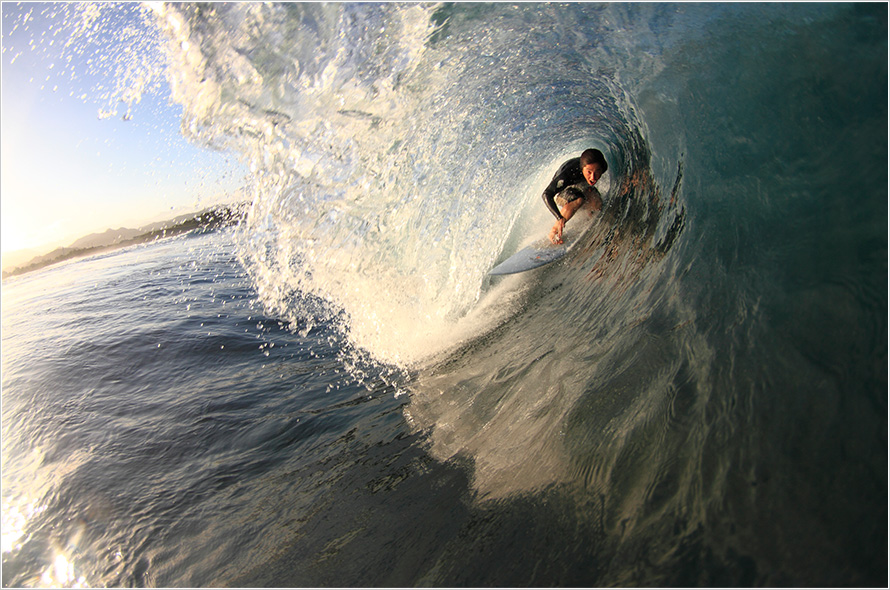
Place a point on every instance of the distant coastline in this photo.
(207, 219)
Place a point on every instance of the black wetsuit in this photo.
(568, 175)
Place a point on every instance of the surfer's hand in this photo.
(556, 232)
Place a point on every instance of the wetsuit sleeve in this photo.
(564, 177)
(548, 196)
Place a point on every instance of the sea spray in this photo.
(109, 54)
(391, 153)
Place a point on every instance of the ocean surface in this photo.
(335, 393)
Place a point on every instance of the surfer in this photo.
(572, 186)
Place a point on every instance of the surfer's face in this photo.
(591, 173)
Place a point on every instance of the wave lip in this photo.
(394, 148)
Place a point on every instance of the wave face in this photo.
(721, 310)
(397, 148)
(704, 376)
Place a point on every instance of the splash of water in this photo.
(393, 152)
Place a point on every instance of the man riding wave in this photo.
(572, 186)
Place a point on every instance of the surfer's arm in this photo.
(558, 227)
(549, 200)
(560, 180)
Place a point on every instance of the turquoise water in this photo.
(336, 393)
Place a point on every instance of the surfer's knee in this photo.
(571, 208)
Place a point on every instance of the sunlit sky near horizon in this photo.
(66, 172)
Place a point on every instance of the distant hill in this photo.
(208, 219)
(107, 238)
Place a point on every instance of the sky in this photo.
(66, 171)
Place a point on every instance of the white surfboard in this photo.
(532, 256)
(543, 251)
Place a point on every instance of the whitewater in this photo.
(336, 393)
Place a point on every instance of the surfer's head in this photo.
(593, 165)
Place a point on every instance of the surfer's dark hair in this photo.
(592, 156)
